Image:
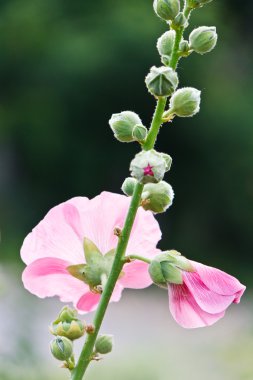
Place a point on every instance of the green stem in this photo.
(86, 354)
(138, 257)
(156, 124)
(118, 263)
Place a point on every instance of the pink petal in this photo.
(48, 277)
(107, 211)
(207, 300)
(219, 281)
(89, 301)
(57, 235)
(136, 275)
(186, 311)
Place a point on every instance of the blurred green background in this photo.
(65, 67)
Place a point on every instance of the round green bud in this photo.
(197, 3)
(71, 330)
(122, 125)
(128, 186)
(140, 133)
(61, 348)
(104, 344)
(67, 315)
(157, 197)
(165, 60)
(185, 102)
(148, 167)
(165, 43)
(184, 48)
(166, 9)
(179, 21)
(161, 81)
(203, 39)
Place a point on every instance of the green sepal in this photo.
(77, 271)
(172, 274)
(156, 274)
(91, 252)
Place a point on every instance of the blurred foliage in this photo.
(67, 66)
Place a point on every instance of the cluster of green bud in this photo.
(197, 3)
(61, 348)
(68, 325)
(127, 127)
(150, 166)
(185, 102)
(161, 81)
(167, 268)
(104, 344)
(167, 9)
(203, 39)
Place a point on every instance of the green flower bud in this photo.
(166, 268)
(197, 3)
(184, 48)
(71, 330)
(61, 348)
(161, 81)
(166, 9)
(157, 197)
(148, 166)
(166, 42)
(185, 102)
(203, 39)
(104, 344)
(140, 133)
(165, 60)
(168, 160)
(122, 125)
(67, 315)
(128, 186)
(179, 22)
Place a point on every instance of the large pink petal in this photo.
(89, 301)
(135, 276)
(186, 311)
(48, 277)
(219, 281)
(107, 211)
(207, 299)
(58, 235)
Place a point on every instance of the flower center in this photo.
(148, 170)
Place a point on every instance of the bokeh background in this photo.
(65, 67)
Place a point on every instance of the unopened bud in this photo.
(166, 9)
(104, 344)
(203, 39)
(123, 124)
(148, 166)
(140, 133)
(128, 186)
(179, 21)
(71, 330)
(185, 102)
(161, 81)
(67, 315)
(157, 197)
(166, 42)
(61, 348)
(184, 48)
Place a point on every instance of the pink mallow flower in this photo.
(204, 296)
(57, 243)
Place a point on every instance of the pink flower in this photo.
(57, 242)
(204, 296)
